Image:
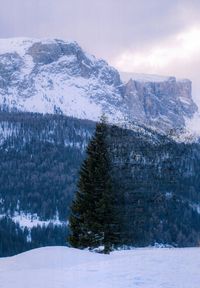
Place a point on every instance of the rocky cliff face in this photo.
(54, 76)
(163, 102)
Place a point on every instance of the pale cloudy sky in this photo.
(147, 36)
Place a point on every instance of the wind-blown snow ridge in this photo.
(141, 77)
(66, 267)
(153, 78)
(21, 45)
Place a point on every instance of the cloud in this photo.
(178, 54)
(184, 46)
(151, 36)
(105, 26)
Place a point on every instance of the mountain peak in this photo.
(56, 76)
(8, 45)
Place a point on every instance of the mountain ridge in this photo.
(54, 76)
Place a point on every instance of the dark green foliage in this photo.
(93, 220)
(159, 180)
(14, 240)
(40, 162)
(50, 235)
(155, 179)
(40, 159)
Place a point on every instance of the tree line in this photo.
(156, 179)
(152, 200)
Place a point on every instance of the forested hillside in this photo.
(40, 158)
(156, 179)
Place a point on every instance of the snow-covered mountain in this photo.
(60, 267)
(41, 154)
(53, 76)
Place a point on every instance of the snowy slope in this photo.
(53, 76)
(29, 220)
(56, 76)
(61, 267)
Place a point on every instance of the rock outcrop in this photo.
(54, 76)
(164, 103)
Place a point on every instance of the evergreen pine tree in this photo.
(93, 221)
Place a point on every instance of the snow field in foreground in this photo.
(62, 267)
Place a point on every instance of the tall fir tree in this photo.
(93, 220)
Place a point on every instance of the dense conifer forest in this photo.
(157, 181)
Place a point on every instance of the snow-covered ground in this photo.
(62, 267)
